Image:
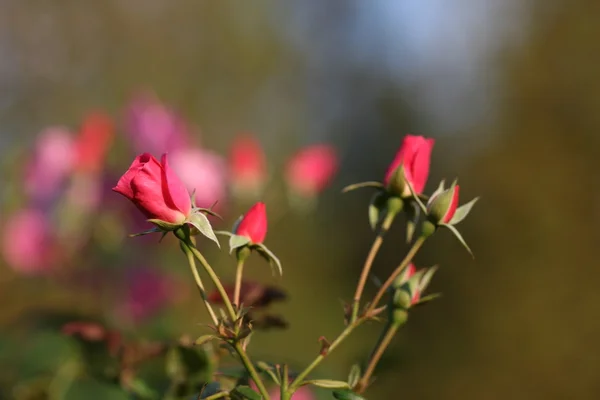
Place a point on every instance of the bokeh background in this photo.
(509, 89)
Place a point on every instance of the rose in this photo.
(310, 170)
(411, 165)
(253, 224)
(155, 190)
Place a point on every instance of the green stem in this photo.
(298, 381)
(238, 283)
(383, 289)
(362, 281)
(192, 263)
(285, 383)
(384, 341)
(251, 370)
(216, 281)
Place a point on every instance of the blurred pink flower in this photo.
(153, 127)
(203, 171)
(27, 242)
(311, 169)
(93, 142)
(148, 292)
(304, 393)
(52, 162)
(247, 166)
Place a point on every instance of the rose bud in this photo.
(442, 206)
(410, 166)
(155, 190)
(247, 166)
(406, 292)
(253, 224)
(310, 170)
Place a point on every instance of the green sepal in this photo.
(327, 383)
(459, 237)
(244, 393)
(413, 213)
(416, 198)
(462, 212)
(208, 211)
(202, 224)
(438, 205)
(377, 208)
(164, 225)
(149, 231)
(347, 395)
(427, 299)
(237, 241)
(269, 256)
(354, 186)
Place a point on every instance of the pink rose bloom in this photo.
(414, 156)
(204, 171)
(247, 166)
(310, 170)
(27, 243)
(254, 224)
(155, 189)
(52, 162)
(153, 127)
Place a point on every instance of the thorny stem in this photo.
(385, 226)
(345, 333)
(192, 263)
(387, 335)
(383, 289)
(232, 314)
(238, 282)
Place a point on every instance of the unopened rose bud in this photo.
(410, 166)
(254, 224)
(442, 206)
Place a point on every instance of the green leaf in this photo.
(201, 222)
(327, 383)
(377, 208)
(462, 212)
(90, 389)
(347, 395)
(237, 241)
(245, 392)
(268, 254)
(459, 237)
(354, 375)
(360, 185)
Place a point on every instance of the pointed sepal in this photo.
(459, 237)
(377, 208)
(270, 257)
(462, 212)
(237, 241)
(164, 225)
(371, 184)
(147, 232)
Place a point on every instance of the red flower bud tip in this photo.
(414, 156)
(95, 138)
(254, 224)
(155, 189)
(452, 207)
(247, 163)
(311, 169)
